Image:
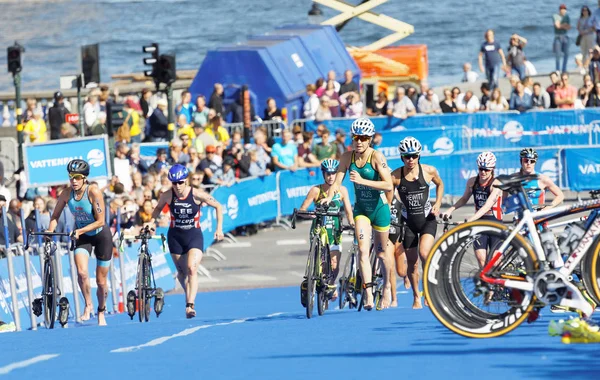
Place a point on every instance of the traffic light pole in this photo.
(19, 114)
(80, 107)
(171, 119)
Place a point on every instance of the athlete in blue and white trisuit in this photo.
(185, 239)
(536, 189)
(86, 203)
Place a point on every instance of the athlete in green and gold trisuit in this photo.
(372, 178)
(332, 224)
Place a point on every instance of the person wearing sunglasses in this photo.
(536, 189)
(371, 177)
(86, 203)
(184, 237)
(333, 225)
(412, 181)
(487, 198)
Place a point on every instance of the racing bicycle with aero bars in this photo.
(145, 284)
(48, 301)
(525, 270)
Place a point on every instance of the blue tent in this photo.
(278, 64)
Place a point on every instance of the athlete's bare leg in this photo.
(194, 257)
(392, 276)
(102, 292)
(362, 234)
(335, 269)
(401, 264)
(381, 240)
(480, 255)
(180, 271)
(412, 272)
(425, 243)
(83, 278)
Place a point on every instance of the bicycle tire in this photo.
(590, 271)
(141, 294)
(50, 294)
(325, 272)
(310, 279)
(440, 290)
(147, 289)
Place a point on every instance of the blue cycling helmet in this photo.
(330, 166)
(178, 173)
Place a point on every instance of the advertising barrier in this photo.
(47, 162)
(582, 168)
(148, 151)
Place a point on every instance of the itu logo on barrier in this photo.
(443, 145)
(550, 168)
(513, 131)
(95, 158)
(233, 206)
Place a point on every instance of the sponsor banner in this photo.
(436, 141)
(6, 306)
(47, 162)
(148, 151)
(294, 186)
(582, 168)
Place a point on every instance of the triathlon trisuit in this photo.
(536, 195)
(100, 239)
(395, 228)
(416, 210)
(332, 224)
(184, 232)
(481, 195)
(370, 204)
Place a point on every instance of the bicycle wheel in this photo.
(140, 285)
(590, 272)
(343, 290)
(310, 277)
(325, 272)
(378, 281)
(147, 289)
(460, 300)
(50, 293)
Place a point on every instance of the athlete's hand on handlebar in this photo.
(219, 234)
(435, 210)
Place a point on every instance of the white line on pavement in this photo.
(186, 332)
(296, 273)
(235, 245)
(291, 242)
(26, 363)
(253, 277)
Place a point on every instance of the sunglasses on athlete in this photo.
(361, 138)
(76, 176)
(485, 169)
(410, 156)
(178, 183)
(529, 161)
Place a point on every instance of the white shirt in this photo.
(90, 112)
(470, 77)
(471, 106)
(426, 106)
(402, 107)
(530, 69)
(311, 107)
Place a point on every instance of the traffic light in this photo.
(151, 61)
(14, 58)
(167, 73)
(115, 117)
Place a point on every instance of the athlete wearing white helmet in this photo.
(412, 182)
(371, 177)
(487, 199)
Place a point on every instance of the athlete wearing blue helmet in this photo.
(185, 235)
(333, 225)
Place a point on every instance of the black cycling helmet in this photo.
(78, 166)
(529, 153)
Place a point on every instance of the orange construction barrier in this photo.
(394, 61)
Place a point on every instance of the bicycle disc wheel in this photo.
(141, 293)
(310, 277)
(460, 300)
(590, 272)
(50, 294)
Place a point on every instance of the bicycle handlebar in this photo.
(144, 236)
(320, 210)
(48, 235)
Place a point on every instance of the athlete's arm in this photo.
(339, 177)
(464, 199)
(487, 206)
(97, 201)
(439, 190)
(559, 196)
(347, 205)
(63, 198)
(212, 202)
(162, 202)
(313, 193)
(380, 165)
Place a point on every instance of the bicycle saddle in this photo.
(512, 181)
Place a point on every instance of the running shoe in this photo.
(7, 327)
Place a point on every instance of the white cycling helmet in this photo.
(409, 145)
(362, 127)
(486, 160)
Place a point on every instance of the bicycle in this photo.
(48, 303)
(350, 280)
(145, 288)
(318, 272)
(519, 270)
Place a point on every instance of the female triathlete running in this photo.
(185, 239)
(395, 246)
(412, 182)
(86, 203)
(536, 189)
(487, 198)
(333, 224)
(371, 177)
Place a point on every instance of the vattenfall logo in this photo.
(95, 158)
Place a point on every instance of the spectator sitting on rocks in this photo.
(469, 76)
(539, 99)
(448, 105)
(429, 104)
(485, 96)
(497, 102)
(519, 100)
(468, 103)
(565, 94)
(594, 97)
(285, 154)
(402, 107)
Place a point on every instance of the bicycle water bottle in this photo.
(548, 241)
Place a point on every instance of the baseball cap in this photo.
(562, 6)
(340, 131)
(211, 149)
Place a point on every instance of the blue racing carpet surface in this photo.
(264, 334)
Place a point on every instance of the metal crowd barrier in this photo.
(274, 128)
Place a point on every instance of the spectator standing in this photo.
(378, 107)
(91, 109)
(515, 56)
(285, 154)
(159, 124)
(497, 102)
(200, 115)
(216, 99)
(593, 64)
(340, 142)
(57, 115)
(565, 94)
(183, 127)
(216, 130)
(469, 76)
(209, 167)
(145, 103)
(334, 98)
(354, 106)
(468, 103)
(349, 85)
(320, 87)
(562, 24)
(519, 100)
(41, 224)
(402, 107)
(323, 112)
(35, 128)
(312, 104)
(160, 164)
(13, 231)
(429, 105)
(176, 154)
(540, 99)
(272, 112)
(587, 32)
(494, 59)
(331, 77)
(325, 149)
(448, 105)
